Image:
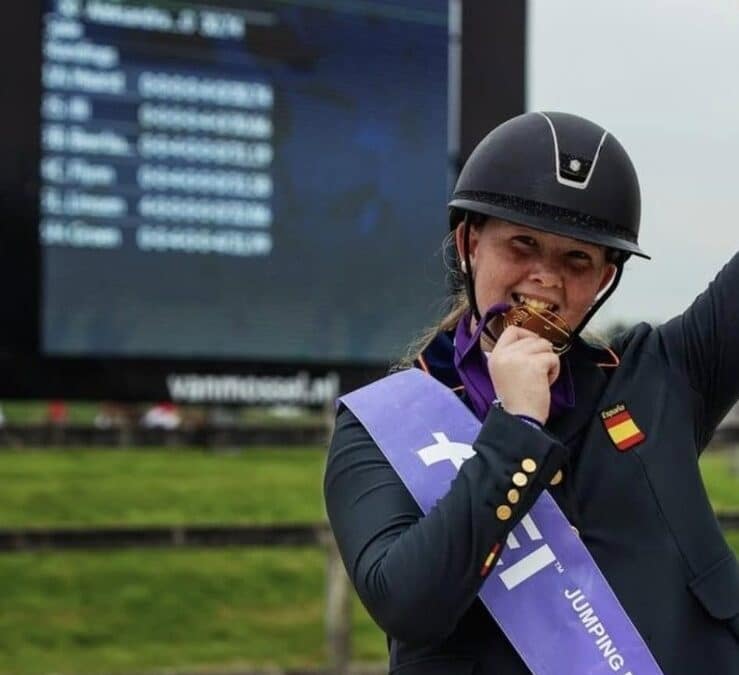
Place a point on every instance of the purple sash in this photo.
(546, 592)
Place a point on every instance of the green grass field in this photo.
(93, 487)
(142, 610)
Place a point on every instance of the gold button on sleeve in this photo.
(513, 496)
(528, 465)
(503, 512)
(520, 479)
(557, 478)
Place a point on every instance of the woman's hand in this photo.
(522, 367)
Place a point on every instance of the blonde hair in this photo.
(457, 305)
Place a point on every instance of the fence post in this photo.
(338, 611)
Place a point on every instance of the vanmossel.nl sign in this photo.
(297, 389)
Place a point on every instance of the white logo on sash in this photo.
(532, 563)
(445, 450)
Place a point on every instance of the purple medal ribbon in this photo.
(546, 592)
(471, 364)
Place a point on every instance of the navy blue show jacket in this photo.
(642, 513)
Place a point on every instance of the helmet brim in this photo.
(547, 224)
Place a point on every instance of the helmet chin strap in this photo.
(469, 283)
(601, 300)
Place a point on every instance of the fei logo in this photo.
(536, 557)
(446, 450)
(533, 562)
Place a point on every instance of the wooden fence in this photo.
(109, 538)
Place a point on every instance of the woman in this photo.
(544, 215)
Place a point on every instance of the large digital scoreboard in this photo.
(232, 187)
(229, 181)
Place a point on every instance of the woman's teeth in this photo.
(533, 302)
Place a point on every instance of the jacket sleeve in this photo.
(703, 343)
(417, 575)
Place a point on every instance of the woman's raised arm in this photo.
(703, 343)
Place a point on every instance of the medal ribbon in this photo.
(472, 366)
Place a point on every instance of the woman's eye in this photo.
(579, 256)
(526, 241)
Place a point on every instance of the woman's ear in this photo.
(459, 239)
(473, 240)
(609, 271)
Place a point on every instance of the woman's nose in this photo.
(547, 278)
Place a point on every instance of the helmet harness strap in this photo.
(601, 300)
(469, 282)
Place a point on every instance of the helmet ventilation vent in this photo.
(574, 168)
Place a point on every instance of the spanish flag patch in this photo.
(621, 427)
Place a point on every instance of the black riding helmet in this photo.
(557, 173)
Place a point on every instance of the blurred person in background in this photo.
(164, 415)
(590, 453)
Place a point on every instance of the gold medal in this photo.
(543, 322)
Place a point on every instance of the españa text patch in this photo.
(621, 427)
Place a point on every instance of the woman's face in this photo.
(512, 263)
